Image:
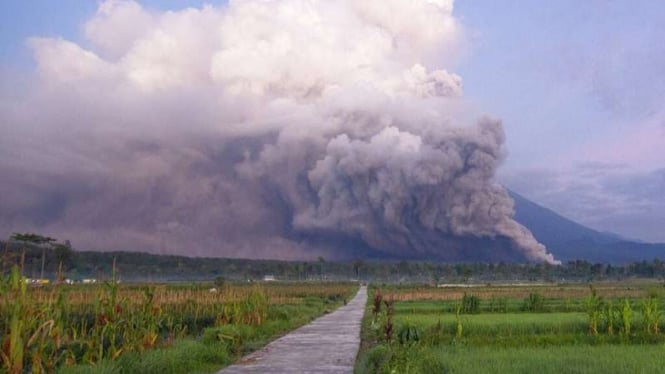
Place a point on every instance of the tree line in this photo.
(42, 256)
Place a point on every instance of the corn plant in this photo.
(13, 349)
(458, 320)
(45, 328)
(651, 315)
(388, 323)
(626, 317)
(470, 304)
(593, 305)
(376, 306)
(610, 315)
(535, 302)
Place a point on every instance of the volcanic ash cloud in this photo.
(286, 128)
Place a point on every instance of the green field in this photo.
(535, 334)
(149, 328)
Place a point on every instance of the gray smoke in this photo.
(283, 129)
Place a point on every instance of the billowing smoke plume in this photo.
(289, 129)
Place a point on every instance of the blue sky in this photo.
(579, 85)
(22, 19)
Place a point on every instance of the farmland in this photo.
(570, 328)
(610, 326)
(114, 327)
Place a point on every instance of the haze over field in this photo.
(278, 129)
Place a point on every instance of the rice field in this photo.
(575, 328)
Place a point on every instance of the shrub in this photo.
(535, 302)
(220, 281)
(470, 304)
(408, 334)
(233, 337)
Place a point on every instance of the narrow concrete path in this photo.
(327, 345)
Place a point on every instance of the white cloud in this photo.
(211, 127)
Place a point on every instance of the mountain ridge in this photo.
(568, 240)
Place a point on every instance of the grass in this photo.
(493, 325)
(185, 356)
(533, 334)
(215, 348)
(106, 327)
(481, 360)
(555, 360)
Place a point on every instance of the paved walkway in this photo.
(327, 345)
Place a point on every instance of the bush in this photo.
(233, 337)
(408, 334)
(220, 281)
(470, 304)
(535, 302)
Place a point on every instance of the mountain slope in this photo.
(568, 240)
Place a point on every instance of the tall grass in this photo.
(43, 329)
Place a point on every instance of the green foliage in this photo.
(651, 315)
(458, 321)
(535, 302)
(31, 238)
(45, 329)
(470, 304)
(232, 337)
(435, 335)
(408, 334)
(377, 360)
(587, 359)
(594, 307)
(184, 356)
(142, 266)
(388, 319)
(626, 317)
(610, 316)
(498, 305)
(589, 334)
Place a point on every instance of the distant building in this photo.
(269, 278)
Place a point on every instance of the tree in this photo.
(321, 262)
(220, 281)
(357, 265)
(32, 238)
(63, 253)
(36, 239)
